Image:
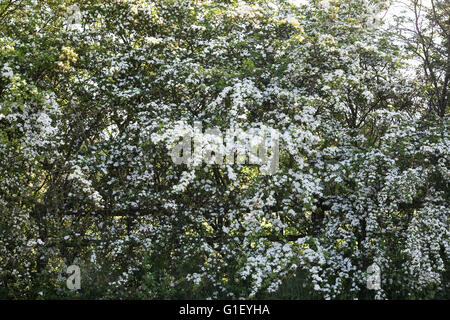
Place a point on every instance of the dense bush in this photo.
(87, 113)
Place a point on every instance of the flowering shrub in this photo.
(87, 177)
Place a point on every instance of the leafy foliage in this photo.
(86, 177)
